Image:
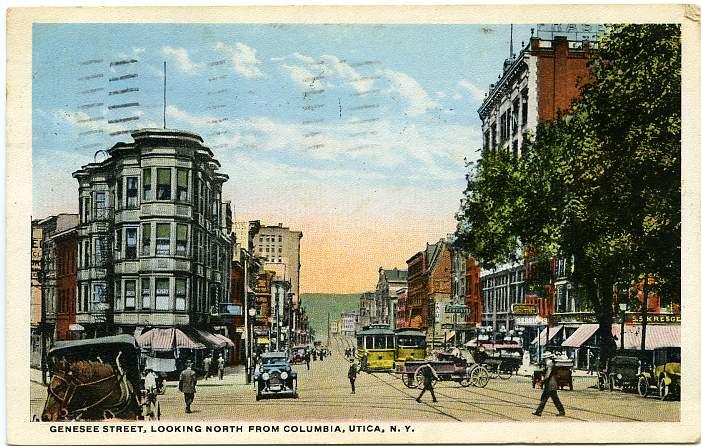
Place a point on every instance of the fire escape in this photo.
(103, 265)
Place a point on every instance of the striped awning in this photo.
(229, 342)
(656, 336)
(543, 338)
(167, 339)
(581, 335)
(214, 339)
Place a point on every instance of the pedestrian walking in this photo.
(321, 354)
(429, 375)
(187, 385)
(307, 358)
(221, 366)
(590, 362)
(314, 355)
(549, 387)
(352, 374)
(207, 367)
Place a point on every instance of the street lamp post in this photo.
(251, 342)
(623, 307)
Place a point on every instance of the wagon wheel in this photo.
(465, 380)
(408, 380)
(643, 386)
(479, 377)
(603, 381)
(504, 373)
(419, 377)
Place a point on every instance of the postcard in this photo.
(353, 224)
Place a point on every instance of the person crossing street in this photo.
(188, 385)
(549, 387)
(352, 374)
(429, 375)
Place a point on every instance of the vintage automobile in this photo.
(275, 376)
(663, 374)
(298, 354)
(622, 372)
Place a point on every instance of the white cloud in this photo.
(475, 92)
(243, 59)
(328, 71)
(409, 88)
(182, 59)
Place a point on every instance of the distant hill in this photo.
(319, 305)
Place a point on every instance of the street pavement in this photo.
(324, 395)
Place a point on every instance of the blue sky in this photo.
(353, 133)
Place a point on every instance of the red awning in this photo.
(215, 340)
(229, 342)
(167, 339)
(543, 338)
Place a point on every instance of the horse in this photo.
(90, 390)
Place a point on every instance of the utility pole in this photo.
(42, 284)
(642, 339)
(246, 353)
(328, 327)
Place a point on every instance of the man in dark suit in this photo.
(352, 374)
(187, 385)
(429, 375)
(549, 386)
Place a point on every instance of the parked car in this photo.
(663, 375)
(275, 376)
(623, 372)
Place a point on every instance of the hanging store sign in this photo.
(528, 321)
(637, 318)
(524, 309)
(456, 308)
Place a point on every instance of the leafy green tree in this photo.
(601, 184)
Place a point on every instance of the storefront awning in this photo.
(167, 339)
(228, 342)
(581, 335)
(543, 339)
(656, 336)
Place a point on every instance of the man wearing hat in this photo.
(352, 374)
(188, 382)
(549, 386)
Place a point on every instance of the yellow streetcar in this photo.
(411, 345)
(375, 348)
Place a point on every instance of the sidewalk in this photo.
(232, 376)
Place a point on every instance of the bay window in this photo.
(181, 240)
(146, 180)
(183, 189)
(163, 184)
(130, 251)
(146, 239)
(162, 294)
(163, 239)
(180, 294)
(129, 294)
(132, 192)
(145, 293)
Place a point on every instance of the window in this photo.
(129, 294)
(162, 294)
(118, 186)
(145, 293)
(493, 133)
(279, 238)
(503, 132)
(100, 205)
(180, 294)
(163, 239)
(181, 240)
(279, 250)
(508, 124)
(130, 252)
(524, 108)
(182, 185)
(147, 184)
(99, 252)
(213, 259)
(485, 143)
(163, 184)
(146, 239)
(132, 192)
(514, 117)
(86, 297)
(118, 239)
(117, 295)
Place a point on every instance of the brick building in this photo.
(429, 289)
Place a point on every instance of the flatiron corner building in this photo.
(153, 247)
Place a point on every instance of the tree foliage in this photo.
(601, 184)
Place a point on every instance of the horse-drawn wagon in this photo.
(448, 367)
(96, 379)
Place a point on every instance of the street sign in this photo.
(524, 309)
(652, 318)
(456, 308)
